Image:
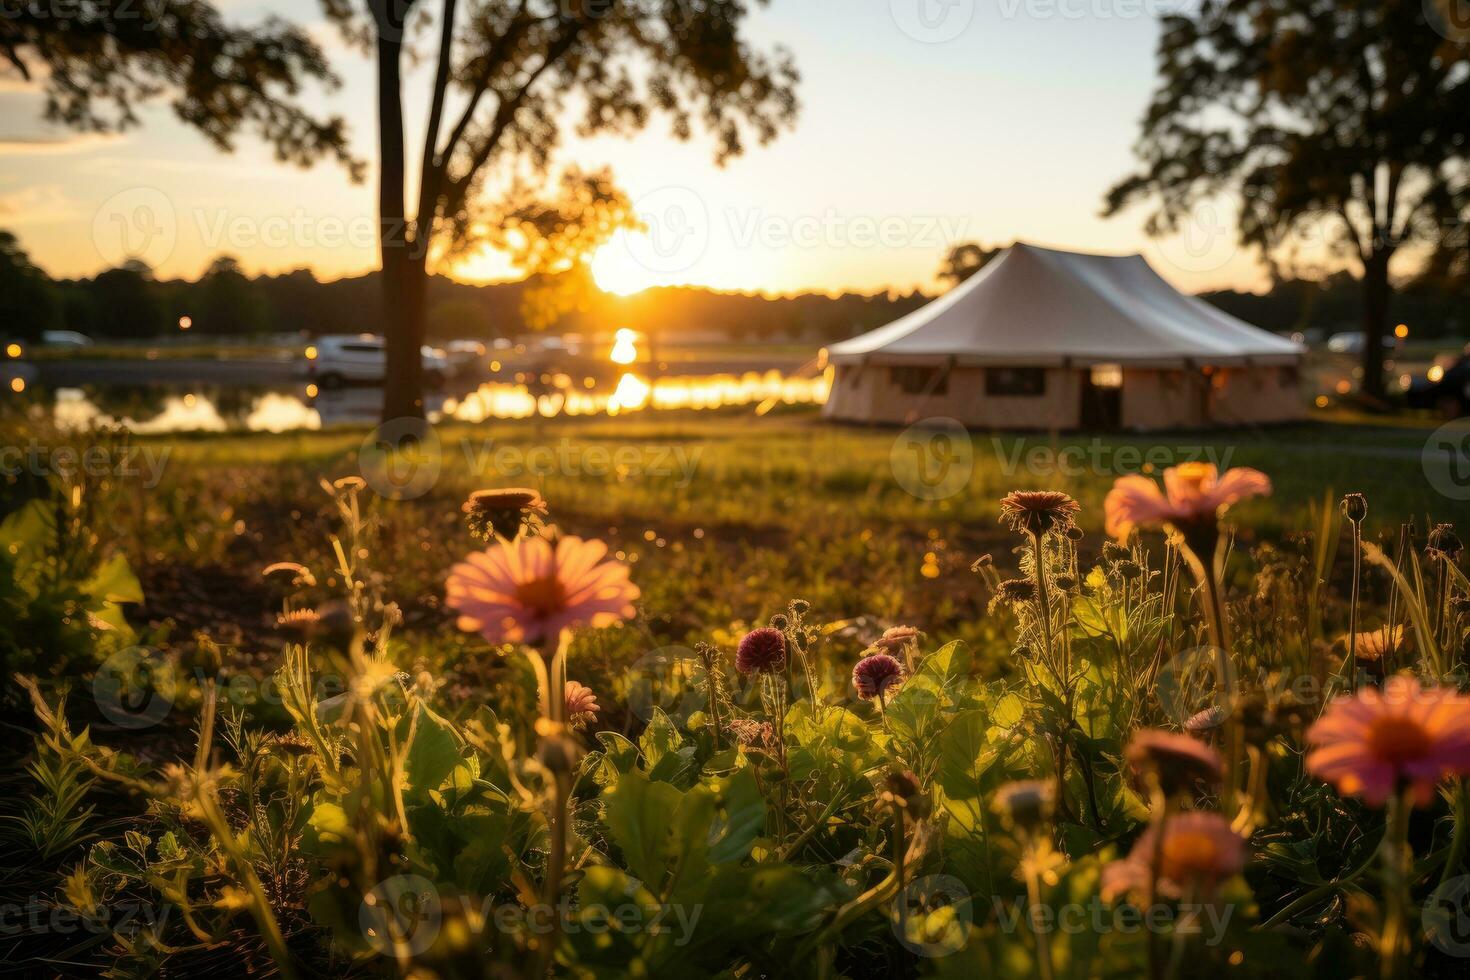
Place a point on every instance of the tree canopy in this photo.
(1339, 122)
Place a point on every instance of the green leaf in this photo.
(433, 753)
(741, 818)
(637, 817)
(114, 582)
(949, 666)
(966, 753)
(665, 756)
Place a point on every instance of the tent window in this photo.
(1026, 382)
(921, 380)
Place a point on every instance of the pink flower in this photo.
(1199, 851)
(1404, 736)
(1193, 492)
(581, 704)
(873, 676)
(530, 590)
(1180, 763)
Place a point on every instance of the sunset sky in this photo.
(984, 120)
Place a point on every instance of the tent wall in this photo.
(1151, 399)
(870, 393)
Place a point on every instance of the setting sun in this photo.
(616, 269)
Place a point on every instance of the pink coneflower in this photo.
(296, 574)
(757, 735)
(1178, 762)
(300, 623)
(761, 651)
(1038, 511)
(1193, 493)
(1372, 650)
(530, 590)
(582, 706)
(506, 512)
(1199, 851)
(873, 676)
(1377, 742)
(896, 638)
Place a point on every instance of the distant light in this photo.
(185, 322)
(625, 350)
(1344, 386)
(589, 383)
(311, 391)
(12, 350)
(1401, 331)
(310, 353)
(189, 401)
(17, 385)
(1435, 373)
(495, 366)
(1322, 401)
(1405, 380)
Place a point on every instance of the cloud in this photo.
(54, 145)
(41, 204)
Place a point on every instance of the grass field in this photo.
(728, 516)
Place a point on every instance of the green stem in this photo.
(1397, 858)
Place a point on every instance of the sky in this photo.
(924, 123)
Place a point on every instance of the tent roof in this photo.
(1041, 306)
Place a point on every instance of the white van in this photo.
(336, 360)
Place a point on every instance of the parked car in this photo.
(336, 360)
(65, 338)
(1353, 341)
(465, 356)
(1445, 390)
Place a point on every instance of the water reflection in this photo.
(156, 409)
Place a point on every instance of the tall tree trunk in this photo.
(404, 271)
(1377, 292)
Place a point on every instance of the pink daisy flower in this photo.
(1404, 736)
(873, 676)
(1199, 851)
(530, 589)
(1192, 492)
(581, 704)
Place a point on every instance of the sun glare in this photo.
(616, 269)
(625, 347)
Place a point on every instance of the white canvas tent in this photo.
(1046, 339)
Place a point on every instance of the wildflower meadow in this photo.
(1192, 726)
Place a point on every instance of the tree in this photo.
(126, 302)
(29, 304)
(97, 61)
(505, 73)
(964, 260)
(228, 303)
(1341, 118)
